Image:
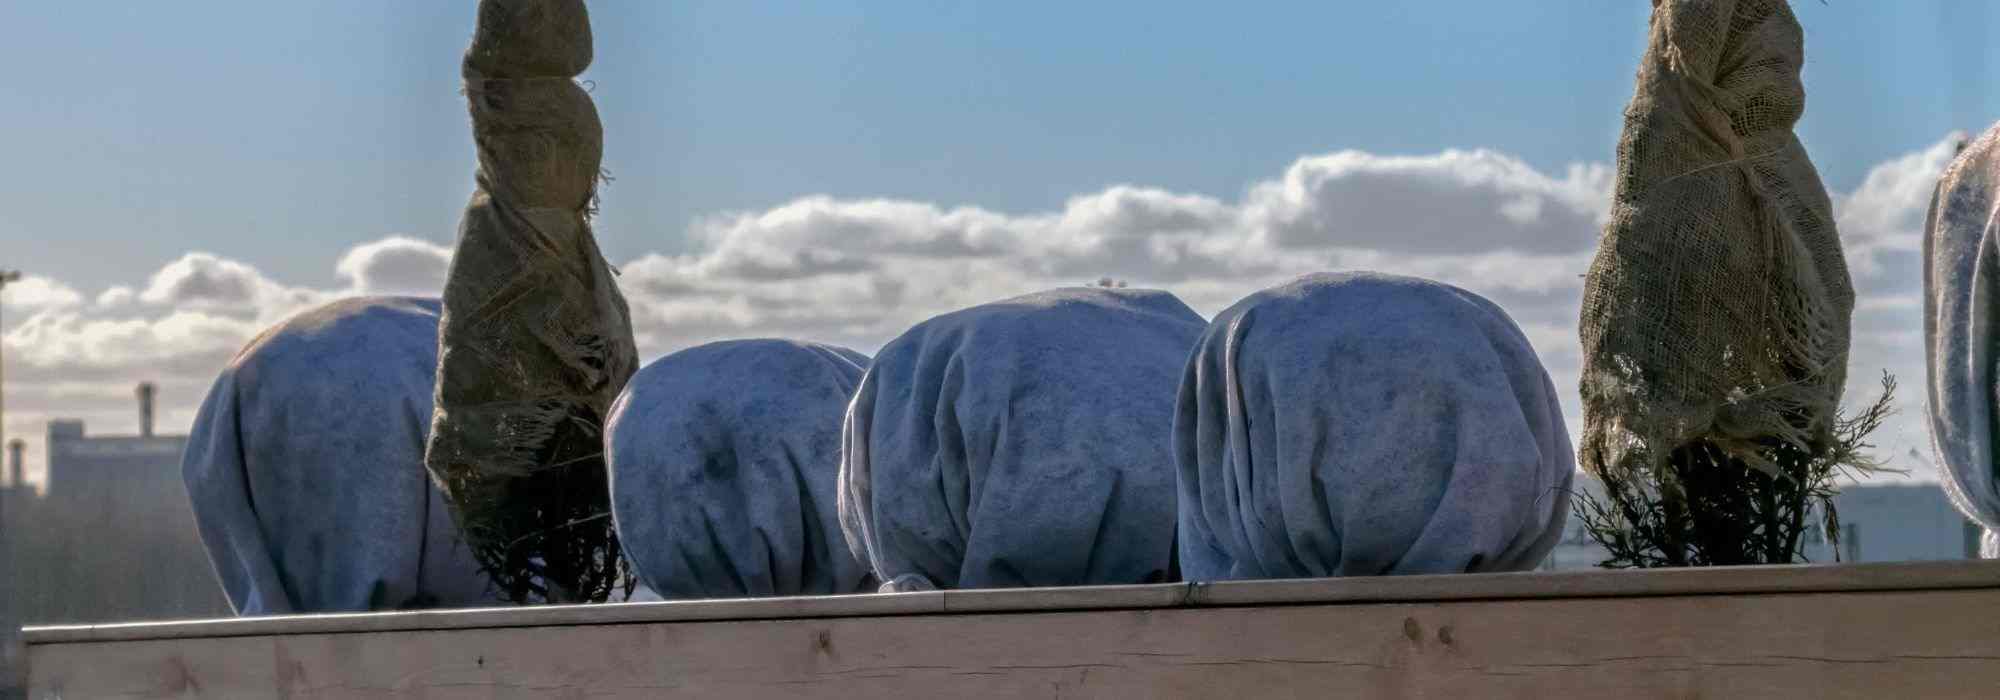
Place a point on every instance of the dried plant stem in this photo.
(1704, 508)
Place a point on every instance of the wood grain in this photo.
(1904, 576)
(1856, 631)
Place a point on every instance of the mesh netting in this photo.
(1717, 308)
(535, 341)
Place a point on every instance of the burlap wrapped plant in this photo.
(535, 341)
(1715, 315)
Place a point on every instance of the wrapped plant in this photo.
(1715, 320)
(535, 340)
(1705, 508)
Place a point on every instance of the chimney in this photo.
(16, 471)
(145, 392)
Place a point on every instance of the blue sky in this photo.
(281, 133)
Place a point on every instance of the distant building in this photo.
(1899, 523)
(1890, 522)
(112, 535)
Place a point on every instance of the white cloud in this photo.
(1452, 202)
(395, 265)
(207, 282)
(75, 342)
(116, 296)
(1881, 229)
(35, 293)
(858, 272)
(1886, 213)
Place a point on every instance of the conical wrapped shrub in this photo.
(535, 341)
(1716, 314)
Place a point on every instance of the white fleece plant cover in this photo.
(306, 468)
(1961, 342)
(1359, 424)
(1020, 443)
(723, 459)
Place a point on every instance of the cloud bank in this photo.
(859, 271)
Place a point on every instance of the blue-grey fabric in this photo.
(723, 459)
(1961, 338)
(306, 470)
(1360, 424)
(1020, 443)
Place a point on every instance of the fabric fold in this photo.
(1020, 443)
(305, 468)
(1359, 424)
(723, 459)
(1961, 342)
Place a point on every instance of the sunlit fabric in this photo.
(723, 459)
(1961, 342)
(1020, 443)
(1362, 424)
(306, 468)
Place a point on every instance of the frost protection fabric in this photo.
(1020, 443)
(723, 459)
(1358, 424)
(306, 468)
(1961, 343)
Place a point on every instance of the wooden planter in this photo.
(1914, 630)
